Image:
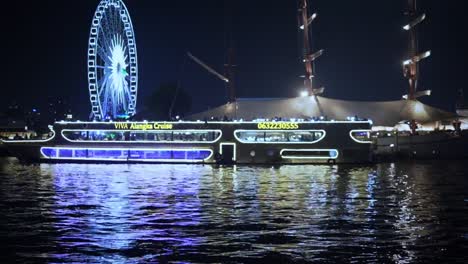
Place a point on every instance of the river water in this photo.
(384, 213)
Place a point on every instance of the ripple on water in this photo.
(398, 212)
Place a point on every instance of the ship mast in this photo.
(229, 66)
(308, 56)
(461, 104)
(411, 64)
(230, 75)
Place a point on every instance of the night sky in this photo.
(45, 46)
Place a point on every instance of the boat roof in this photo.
(382, 113)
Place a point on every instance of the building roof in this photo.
(385, 113)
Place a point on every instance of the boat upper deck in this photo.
(293, 124)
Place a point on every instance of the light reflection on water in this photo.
(399, 212)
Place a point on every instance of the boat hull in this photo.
(436, 145)
(200, 142)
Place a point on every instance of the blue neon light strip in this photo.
(303, 153)
(103, 154)
(49, 152)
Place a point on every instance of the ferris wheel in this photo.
(112, 62)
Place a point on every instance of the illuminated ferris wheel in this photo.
(112, 62)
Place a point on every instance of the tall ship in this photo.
(113, 81)
(444, 135)
(404, 128)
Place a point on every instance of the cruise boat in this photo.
(232, 142)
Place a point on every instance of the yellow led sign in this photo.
(278, 125)
(143, 126)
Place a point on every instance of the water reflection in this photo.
(398, 212)
(120, 208)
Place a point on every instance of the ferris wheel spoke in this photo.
(104, 60)
(112, 25)
(108, 95)
(104, 83)
(109, 22)
(116, 17)
(105, 104)
(101, 51)
(108, 30)
(101, 86)
(102, 67)
(106, 43)
(107, 80)
(127, 91)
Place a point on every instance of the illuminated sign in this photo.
(278, 125)
(143, 126)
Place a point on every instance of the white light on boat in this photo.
(426, 54)
(304, 93)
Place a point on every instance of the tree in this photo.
(168, 101)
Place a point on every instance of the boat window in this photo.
(107, 154)
(309, 153)
(291, 137)
(176, 136)
(127, 154)
(170, 154)
(361, 136)
(49, 152)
